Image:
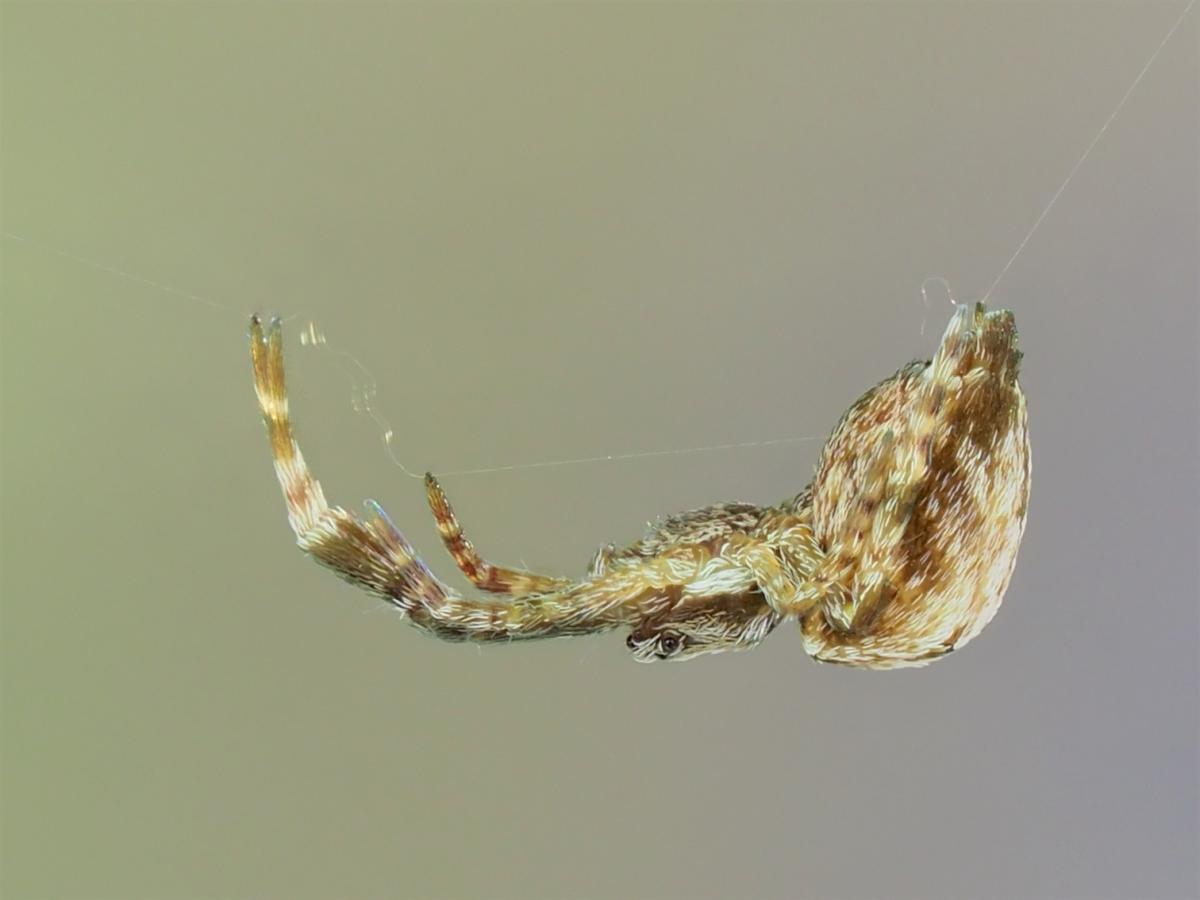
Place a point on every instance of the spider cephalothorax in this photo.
(898, 552)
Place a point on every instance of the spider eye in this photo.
(669, 643)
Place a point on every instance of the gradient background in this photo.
(559, 231)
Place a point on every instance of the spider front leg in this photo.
(373, 554)
(370, 552)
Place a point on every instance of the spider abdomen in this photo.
(920, 501)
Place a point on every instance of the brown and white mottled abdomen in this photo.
(920, 503)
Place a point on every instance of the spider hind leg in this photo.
(481, 573)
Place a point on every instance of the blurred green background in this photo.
(551, 231)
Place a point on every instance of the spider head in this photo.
(650, 645)
(722, 624)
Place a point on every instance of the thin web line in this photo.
(387, 432)
(616, 457)
(119, 273)
(1054, 199)
(366, 390)
(1086, 153)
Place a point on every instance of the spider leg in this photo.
(781, 556)
(481, 573)
(373, 554)
(626, 595)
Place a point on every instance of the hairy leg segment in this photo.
(371, 552)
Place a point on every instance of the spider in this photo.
(898, 552)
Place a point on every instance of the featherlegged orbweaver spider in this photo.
(898, 552)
